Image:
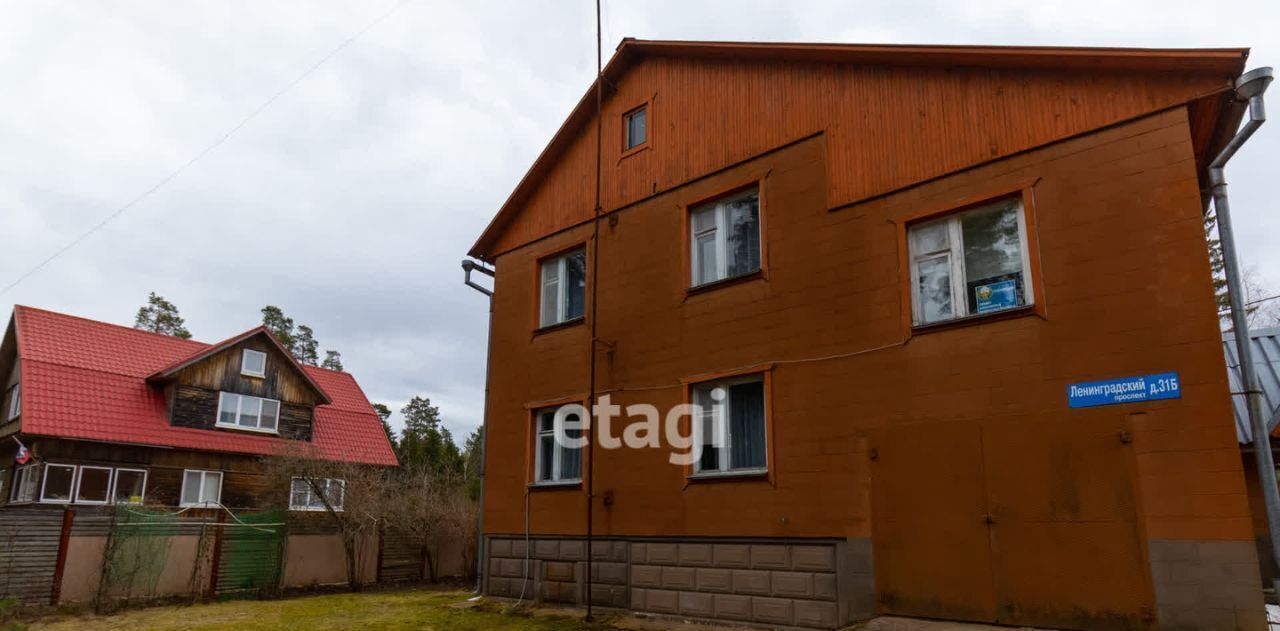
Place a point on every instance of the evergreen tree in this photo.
(279, 326)
(471, 453)
(333, 361)
(384, 413)
(305, 346)
(298, 339)
(425, 444)
(161, 316)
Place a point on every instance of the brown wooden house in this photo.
(914, 272)
(112, 414)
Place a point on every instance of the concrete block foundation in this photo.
(820, 584)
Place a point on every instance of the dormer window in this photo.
(242, 411)
(253, 363)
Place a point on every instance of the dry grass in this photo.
(401, 609)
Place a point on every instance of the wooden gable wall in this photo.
(886, 127)
(221, 371)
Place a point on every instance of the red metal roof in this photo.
(87, 380)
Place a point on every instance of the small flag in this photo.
(23, 454)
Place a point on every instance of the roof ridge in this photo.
(28, 308)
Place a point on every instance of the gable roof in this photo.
(88, 380)
(1266, 362)
(1217, 61)
(168, 372)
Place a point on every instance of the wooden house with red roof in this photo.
(112, 414)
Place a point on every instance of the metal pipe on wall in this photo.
(1249, 88)
(469, 266)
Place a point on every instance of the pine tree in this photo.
(332, 360)
(424, 443)
(299, 339)
(384, 413)
(161, 316)
(279, 326)
(305, 346)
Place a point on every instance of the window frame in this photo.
(694, 471)
(627, 117)
(244, 355)
(44, 483)
(560, 256)
(1028, 231)
(111, 485)
(536, 435)
(217, 419)
(14, 396)
(690, 242)
(27, 473)
(311, 491)
(115, 481)
(202, 502)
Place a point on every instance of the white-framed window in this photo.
(201, 488)
(968, 263)
(253, 363)
(26, 479)
(130, 486)
(636, 128)
(242, 411)
(564, 288)
(14, 397)
(303, 495)
(725, 237)
(93, 485)
(730, 426)
(59, 483)
(557, 463)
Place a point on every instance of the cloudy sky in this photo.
(351, 199)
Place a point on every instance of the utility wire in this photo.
(207, 150)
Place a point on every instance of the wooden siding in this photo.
(243, 484)
(29, 542)
(886, 127)
(221, 371)
(197, 408)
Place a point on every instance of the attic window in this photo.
(253, 363)
(636, 126)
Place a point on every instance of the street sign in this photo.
(1124, 390)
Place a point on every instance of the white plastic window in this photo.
(970, 263)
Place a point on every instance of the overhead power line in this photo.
(206, 151)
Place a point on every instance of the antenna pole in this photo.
(594, 282)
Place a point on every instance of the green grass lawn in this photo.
(400, 609)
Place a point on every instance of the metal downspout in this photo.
(1249, 87)
(467, 268)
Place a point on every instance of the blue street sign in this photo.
(1124, 390)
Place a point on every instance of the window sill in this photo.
(627, 153)
(724, 282)
(744, 475)
(557, 485)
(983, 318)
(253, 374)
(559, 325)
(241, 428)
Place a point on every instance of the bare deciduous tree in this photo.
(358, 507)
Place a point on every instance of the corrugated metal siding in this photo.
(1266, 357)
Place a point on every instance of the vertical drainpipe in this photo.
(1249, 88)
(467, 267)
